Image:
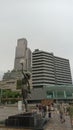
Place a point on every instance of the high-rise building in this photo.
(62, 71)
(22, 53)
(49, 69)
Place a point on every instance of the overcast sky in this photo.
(46, 24)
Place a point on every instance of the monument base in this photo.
(26, 120)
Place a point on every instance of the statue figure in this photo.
(25, 88)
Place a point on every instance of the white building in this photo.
(49, 69)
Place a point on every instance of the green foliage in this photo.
(70, 110)
(11, 95)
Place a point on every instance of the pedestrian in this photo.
(49, 111)
(70, 111)
(62, 115)
(44, 110)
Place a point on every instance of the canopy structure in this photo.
(59, 91)
(53, 92)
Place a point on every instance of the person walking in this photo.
(70, 111)
(49, 111)
(62, 115)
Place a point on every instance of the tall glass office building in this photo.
(49, 69)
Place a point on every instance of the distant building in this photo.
(49, 69)
(12, 75)
(8, 84)
(22, 53)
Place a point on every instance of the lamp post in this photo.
(25, 86)
(0, 95)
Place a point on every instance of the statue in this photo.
(25, 87)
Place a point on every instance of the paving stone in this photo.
(55, 124)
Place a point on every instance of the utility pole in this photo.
(0, 96)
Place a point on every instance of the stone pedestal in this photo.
(22, 120)
(25, 120)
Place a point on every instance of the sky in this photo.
(46, 24)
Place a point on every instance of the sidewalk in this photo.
(55, 124)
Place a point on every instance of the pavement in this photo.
(6, 111)
(55, 124)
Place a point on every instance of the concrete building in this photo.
(12, 75)
(22, 53)
(62, 71)
(49, 69)
(8, 84)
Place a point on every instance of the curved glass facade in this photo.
(59, 91)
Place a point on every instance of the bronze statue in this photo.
(25, 88)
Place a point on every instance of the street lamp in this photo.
(0, 95)
(25, 85)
